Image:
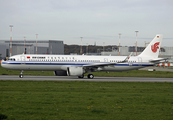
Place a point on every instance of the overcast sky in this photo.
(95, 20)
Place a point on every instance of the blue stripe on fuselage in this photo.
(72, 63)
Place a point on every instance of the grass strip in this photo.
(45, 100)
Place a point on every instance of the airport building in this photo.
(165, 52)
(30, 47)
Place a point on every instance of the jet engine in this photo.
(75, 71)
(60, 73)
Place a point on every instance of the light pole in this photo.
(50, 48)
(103, 48)
(119, 42)
(87, 49)
(11, 40)
(24, 46)
(36, 43)
(29, 48)
(136, 41)
(81, 46)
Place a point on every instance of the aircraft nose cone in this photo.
(3, 63)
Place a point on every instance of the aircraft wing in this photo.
(158, 60)
(106, 64)
(99, 65)
(127, 58)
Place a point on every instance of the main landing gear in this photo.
(21, 74)
(89, 76)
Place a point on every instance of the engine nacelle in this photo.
(60, 73)
(75, 71)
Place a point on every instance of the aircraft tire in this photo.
(21, 76)
(90, 76)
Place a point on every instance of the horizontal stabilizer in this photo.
(158, 60)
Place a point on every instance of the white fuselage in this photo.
(78, 65)
(36, 62)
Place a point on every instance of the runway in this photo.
(96, 79)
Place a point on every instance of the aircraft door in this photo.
(140, 61)
(130, 64)
(22, 58)
(105, 60)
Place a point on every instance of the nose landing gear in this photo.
(21, 74)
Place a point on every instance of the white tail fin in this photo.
(152, 50)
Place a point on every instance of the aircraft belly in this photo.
(121, 68)
(32, 67)
(9, 66)
(43, 67)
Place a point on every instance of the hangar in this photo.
(31, 47)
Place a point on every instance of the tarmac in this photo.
(96, 79)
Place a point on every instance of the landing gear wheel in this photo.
(82, 76)
(90, 76)
(21, 76)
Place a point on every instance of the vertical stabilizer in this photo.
(152, 50)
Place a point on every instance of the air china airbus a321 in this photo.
(78, 65)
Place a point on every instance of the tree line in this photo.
(75, 49)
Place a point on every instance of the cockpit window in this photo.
(11, 59)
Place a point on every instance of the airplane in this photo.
(78, 65)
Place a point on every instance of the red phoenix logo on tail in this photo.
(155, 47)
